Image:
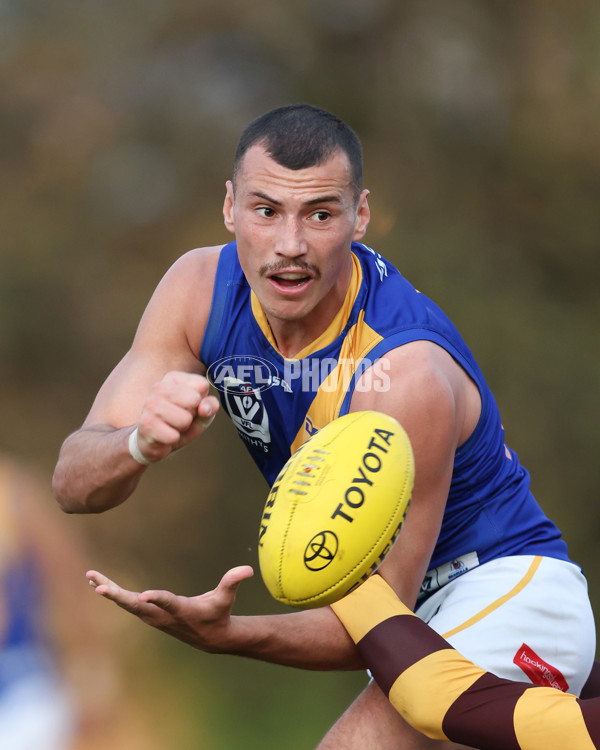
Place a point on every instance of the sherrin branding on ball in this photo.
(335, 509)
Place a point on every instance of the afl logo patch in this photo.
(255, 373)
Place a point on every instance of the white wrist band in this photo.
(134, 449)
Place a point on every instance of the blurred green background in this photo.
(118, 121)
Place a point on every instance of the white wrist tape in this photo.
(134, 449)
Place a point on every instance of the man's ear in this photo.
(363, 216)
(228, 207)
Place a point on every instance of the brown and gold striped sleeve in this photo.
(445, 696)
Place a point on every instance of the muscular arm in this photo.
(158, 386)
(312, 639)
(445, 696)
(431, 407)
(438, 406)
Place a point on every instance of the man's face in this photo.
(294, 229)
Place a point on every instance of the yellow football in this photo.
(335, 509)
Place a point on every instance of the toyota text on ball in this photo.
(370, 463)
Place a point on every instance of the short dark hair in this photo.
(299, 136)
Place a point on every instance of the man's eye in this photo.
(266, 211)
(321, 216)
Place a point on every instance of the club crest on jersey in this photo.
(247, 411)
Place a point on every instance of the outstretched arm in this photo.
(311, 639)
(445, 696)
(315, 639)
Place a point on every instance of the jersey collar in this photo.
(333, 330)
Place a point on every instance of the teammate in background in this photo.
(339, 330)
(59, 685)
(36, 710)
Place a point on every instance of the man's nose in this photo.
(291, 241)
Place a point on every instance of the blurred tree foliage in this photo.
(119, 121)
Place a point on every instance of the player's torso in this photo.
(276, 404)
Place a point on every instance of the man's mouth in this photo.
(290, 278)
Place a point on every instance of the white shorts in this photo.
(525, 618)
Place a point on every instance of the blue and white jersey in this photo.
(277, 403)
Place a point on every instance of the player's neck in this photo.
(298, 337)
(294, 336)
(298, 333)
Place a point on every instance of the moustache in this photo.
(272, 269)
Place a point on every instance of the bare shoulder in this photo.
(429, 365)
(196, 268)
(181, 302)
(421, 381)
(168, 338)
(420, 365)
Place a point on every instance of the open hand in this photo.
(201, 621)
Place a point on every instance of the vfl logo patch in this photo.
(539, 671)
(321, 550)
(247, 411)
